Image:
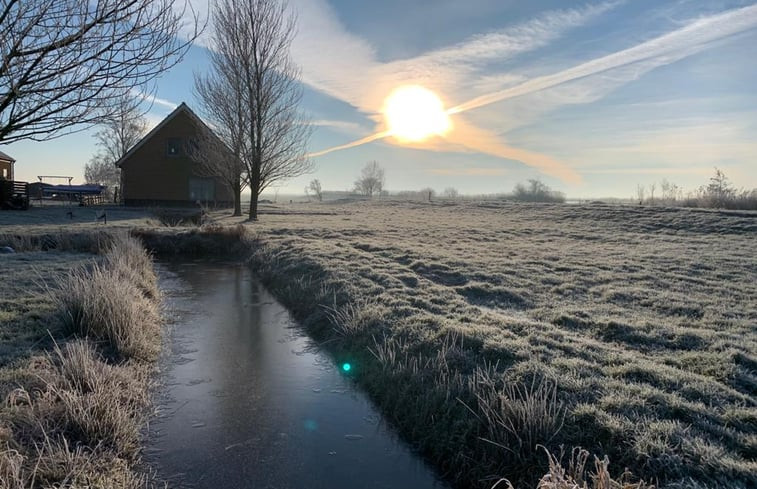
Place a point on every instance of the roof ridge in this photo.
(182, 107)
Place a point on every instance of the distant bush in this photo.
(741, 200)
(719, 193)
(450, 193)
(536, 191)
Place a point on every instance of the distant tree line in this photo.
(532, 191)
(719, 192)
(372, 181)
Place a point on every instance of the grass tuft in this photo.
(577, 476)
(519, 417)
(72, 417)
(114, 302)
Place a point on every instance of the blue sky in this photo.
(591, 97)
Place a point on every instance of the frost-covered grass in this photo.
(26, 307)
(642, 321)
(72, 218)
(79, 334)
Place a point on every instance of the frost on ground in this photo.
(628, 331)
(78, 336)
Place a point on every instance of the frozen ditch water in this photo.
(247, 401)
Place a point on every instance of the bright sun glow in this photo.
(414, 114)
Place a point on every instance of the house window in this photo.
(202, 189)
(173, 147)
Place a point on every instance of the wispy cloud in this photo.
(664, 171)
(469, 172)
(353, 144)
(344, 126)
(351, 72)
(662, 50)
(481, 71)
(153, 100)
(521, 38)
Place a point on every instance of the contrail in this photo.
(359, 142)
(681, 43)
(690, 39)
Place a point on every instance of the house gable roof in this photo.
(183, 108)
(5, 157)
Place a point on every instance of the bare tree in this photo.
(218, 92)
(118, 133)
(122, 129)
(640, 193)
(101, 170)
(220, 159)
(371, 181)
(719, 190)
(251, 69)
(670, 192)
(450, 193)
(65, 64)
(315, 188)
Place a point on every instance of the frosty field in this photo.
(635, 329)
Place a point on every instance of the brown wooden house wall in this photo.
(150, 176)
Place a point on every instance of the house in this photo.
(13, 195)
(6, 166)
(159, 171)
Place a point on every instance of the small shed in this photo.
(6, 166)
(158, 171)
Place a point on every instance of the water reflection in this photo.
(248, 402)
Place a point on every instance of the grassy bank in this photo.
(485, 330)
(84, 335)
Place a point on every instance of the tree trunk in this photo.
(254, 204)
(255, 180)
(254, 194)
(237, 199)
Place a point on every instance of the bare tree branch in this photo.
(252, 93)
(121, 130)
(124, 127)
(65, 64)
(315, 187)
(217, 159)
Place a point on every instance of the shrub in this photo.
(536, 191)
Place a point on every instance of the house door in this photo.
(202, 189)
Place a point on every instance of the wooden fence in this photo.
(14, 195)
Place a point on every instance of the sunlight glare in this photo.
(414, 113)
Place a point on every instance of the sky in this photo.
(593, 98)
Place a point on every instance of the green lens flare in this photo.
(346, 367)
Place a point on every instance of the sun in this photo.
(414, 114)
